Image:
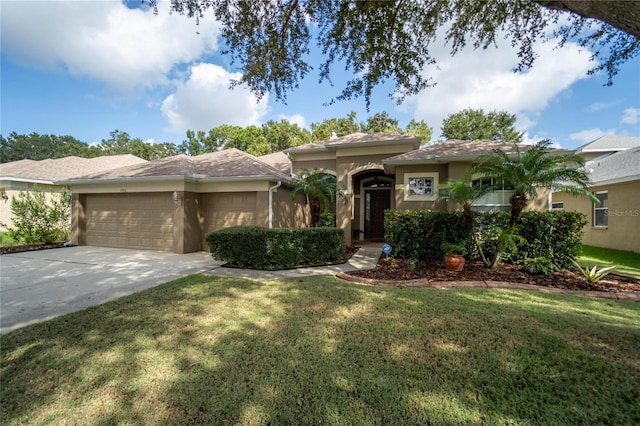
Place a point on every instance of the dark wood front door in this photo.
(375, 203)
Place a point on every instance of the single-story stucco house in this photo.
(22, 175)
(171, 204)
(614, 168)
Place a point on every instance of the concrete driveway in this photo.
(39, 285)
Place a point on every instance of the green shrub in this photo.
(37, 221)
(539, 265)
(419, 234)
(555, 235)
(327, 220)
(263, 248)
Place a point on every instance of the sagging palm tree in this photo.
(461, 191)
(320, 189)
(537, 167)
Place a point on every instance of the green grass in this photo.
(626, 262)
(320, 350)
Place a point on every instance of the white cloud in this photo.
(204, 101)
(484, 79)
(295, 119)
(631, 116)
(104, 40)
(589, 135)
(599, 106)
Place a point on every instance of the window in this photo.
(601, 209)
(497, 200)
(378, 183)
(558, 205)
(420, 186)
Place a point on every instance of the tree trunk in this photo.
(624, 15)
(314, 205)
(518, 203)
(468, 219)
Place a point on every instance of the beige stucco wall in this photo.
(623, 230)
(289, 213)
(443, 174)
(326, 164)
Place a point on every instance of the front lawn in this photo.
(319, 350)
(626, 262)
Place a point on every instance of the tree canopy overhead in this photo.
(383, 40)
(475, 124)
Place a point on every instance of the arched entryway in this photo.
(374, 195)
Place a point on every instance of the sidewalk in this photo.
(365, 258)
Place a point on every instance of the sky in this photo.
(85, 68)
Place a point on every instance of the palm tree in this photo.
(461, 191)
(320, 189)
(537, 167)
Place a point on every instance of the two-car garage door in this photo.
(145, 220)
(140, 221)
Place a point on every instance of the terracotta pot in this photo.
(454, 262)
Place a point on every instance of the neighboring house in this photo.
(614, 222)
(22, 175)
(171, 204)
(607, 144)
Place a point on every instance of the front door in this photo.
(375, 203)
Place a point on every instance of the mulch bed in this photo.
(29, 247)
(401, 270)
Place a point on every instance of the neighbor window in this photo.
(601, 209)
(558, 205)
(420, 186)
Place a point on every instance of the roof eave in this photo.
(612, 181)
(26, 180)
(172, 178)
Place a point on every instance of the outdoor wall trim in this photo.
(26, 180)
(187, 179)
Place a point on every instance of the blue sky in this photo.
(85, 68)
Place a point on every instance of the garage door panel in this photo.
(142, 221)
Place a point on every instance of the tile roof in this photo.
(453, 148)
(608, 143)
(230, 163)
(51, 170)
(356, 139)
(620, 166)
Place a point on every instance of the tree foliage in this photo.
(475, 124)
(320, 189)
(380, 122)
(120, 142)
(382, 41)
(273, 136)
(538, 167)
(37, 219)
(41, 147)
(463, 192)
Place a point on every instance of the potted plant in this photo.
(454, 256)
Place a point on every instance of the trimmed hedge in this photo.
(419, 234)
(263, 248)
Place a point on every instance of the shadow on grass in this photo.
(318, 350)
